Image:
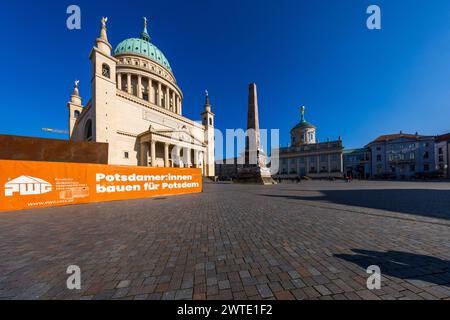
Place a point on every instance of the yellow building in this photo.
(136, 107)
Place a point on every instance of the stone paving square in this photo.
(312, 240)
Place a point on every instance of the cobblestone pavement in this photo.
(312, 240)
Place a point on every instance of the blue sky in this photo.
(354, 82)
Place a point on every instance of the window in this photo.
(210, 121)
(379, 157)
(426, 155)
(145, 96)
(88, 130)
(412, 168)
(76, 114)
(426, 167)
(440, 151)
(323, 158)
(378, 148)
(106, 71)
(126, 155)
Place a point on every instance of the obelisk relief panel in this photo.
(254, 170)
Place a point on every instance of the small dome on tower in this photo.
(304, 132)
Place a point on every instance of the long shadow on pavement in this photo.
(403, 265)
(422, 202)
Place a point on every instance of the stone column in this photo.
(174, 102)
(119, 81)
(139, 87)
(143, 154)
(159, 95)
(166, 100)
(166, 155)
(187, 156)
(153, 152)
(195, 161)
(129, 84)
(146, 89)
(179, 105)
(151, 94)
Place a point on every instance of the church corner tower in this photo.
(75, 107)
(208, 123)
(103, 88)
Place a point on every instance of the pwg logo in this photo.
(26, 185)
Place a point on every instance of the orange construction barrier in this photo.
(32, 184)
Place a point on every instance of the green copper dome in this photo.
(304, 124)
(143, 47)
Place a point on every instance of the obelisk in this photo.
(254, 170)
(252, 141)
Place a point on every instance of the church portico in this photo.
(167, 149)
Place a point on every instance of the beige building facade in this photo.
(306, 157)
(136, 107)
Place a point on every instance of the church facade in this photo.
(136, 107)
(306, 157)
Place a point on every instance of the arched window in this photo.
(76, 114)
(88, 130)
(106, 71)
